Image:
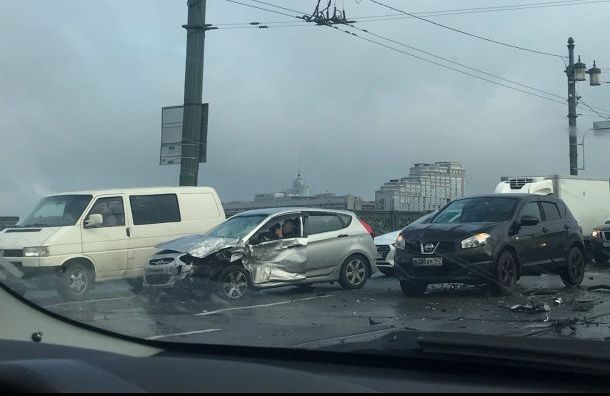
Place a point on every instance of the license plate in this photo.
(428, 262)
(606, 244)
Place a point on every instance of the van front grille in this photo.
(12, 253)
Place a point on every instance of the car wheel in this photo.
(601, 258)
(233, 283)
(413, 288)
(386, 271)
(75, 281)
(506, 274)
(574, 273)
(354, 272)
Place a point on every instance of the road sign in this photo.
(171, 134)
(601, 125)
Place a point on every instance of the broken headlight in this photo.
(161, 261)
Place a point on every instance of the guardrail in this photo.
(8, 221)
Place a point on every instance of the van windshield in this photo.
(236, 227)
(478, 210)
(57, 211)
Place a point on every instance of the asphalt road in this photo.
(326, 314)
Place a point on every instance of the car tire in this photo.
(386, 271)
(75, 281)
(413, 288)
(601, 258)
(354, 273)
(574, 272)
(233, 283)
(506, 274)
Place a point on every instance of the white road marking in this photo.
(87, 301)
(368, 333)
(261, 305)
(157, 337)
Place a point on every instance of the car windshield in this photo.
(307, 173)
(478, 210)
(57, 211)
(236, 227)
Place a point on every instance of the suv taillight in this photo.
(368, 228)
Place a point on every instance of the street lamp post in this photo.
(576, 72)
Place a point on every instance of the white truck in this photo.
(588, 199)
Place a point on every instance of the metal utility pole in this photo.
(193, 86)
(572, 99)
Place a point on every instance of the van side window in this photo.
(551, 212)
(154, 209)
(111, 210)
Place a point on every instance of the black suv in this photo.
(492, 239)
(599, 244)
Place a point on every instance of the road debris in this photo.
(531, 307)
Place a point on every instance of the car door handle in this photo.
(342, 236)
(128, 231)
(545, 230)
(296, 245)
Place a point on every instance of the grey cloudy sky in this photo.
(82, 85)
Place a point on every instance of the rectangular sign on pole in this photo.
(601, 125)
(171, 134)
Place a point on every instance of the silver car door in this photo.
(278, 261)
(328, 242)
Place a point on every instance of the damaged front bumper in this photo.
(165, 270)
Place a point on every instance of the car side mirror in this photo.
(608, 222)
(528, 221)
(94, 220)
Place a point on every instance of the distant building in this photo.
(299, 195)
(428, 187)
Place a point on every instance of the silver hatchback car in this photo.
(268, 248)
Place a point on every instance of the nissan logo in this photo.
(428, 247)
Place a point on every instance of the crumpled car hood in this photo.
(199, 245)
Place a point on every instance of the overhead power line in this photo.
(556, 98)
(261, 8)
(459, 11)
(467, 33)
(477, 10)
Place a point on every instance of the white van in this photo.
(91, 236)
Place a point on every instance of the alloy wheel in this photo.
(355, 272)
(235, 285)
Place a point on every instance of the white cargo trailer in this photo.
(588, 199)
